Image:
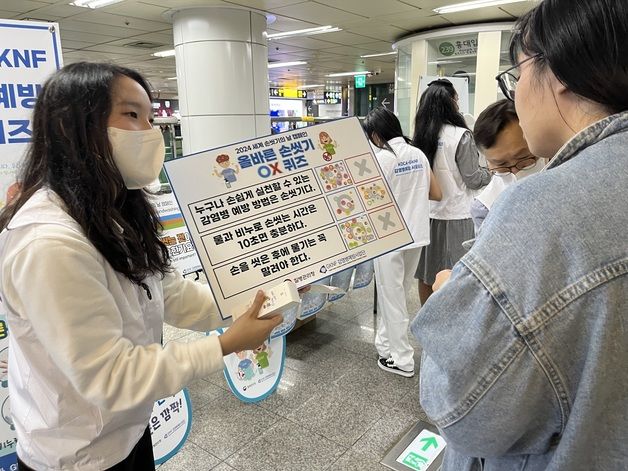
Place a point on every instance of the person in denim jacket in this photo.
(525, 347)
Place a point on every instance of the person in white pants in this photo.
(412, 183)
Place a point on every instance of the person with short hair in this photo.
(500, 139)
(525, 347)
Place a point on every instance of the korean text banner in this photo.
(29, 53)
(301, 205)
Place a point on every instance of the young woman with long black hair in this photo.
(86, 283)
(442, 134)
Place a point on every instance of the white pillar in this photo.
(489, 45)
(222, 74)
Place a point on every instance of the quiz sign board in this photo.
(301, 205)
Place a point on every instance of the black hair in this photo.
(492, 121)
(437, 108)
(583, 43)
(70, 153)
(383, 122)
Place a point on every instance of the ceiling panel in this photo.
(317, 13)
(113, 31)
(345, 38)
(377, 30)
(265, 4)
(103, 18)
(283, 23)
(478, 16)
(90, 38)
(145, 11)
(63, 10)
(370, 9)
(519, 9)
(414, 24)
(304, 42)
(21, 6)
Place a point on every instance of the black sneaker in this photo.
(389, 365)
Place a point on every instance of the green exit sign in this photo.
(360, 81)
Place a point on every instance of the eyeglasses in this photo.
(524, 163)
(508, 79)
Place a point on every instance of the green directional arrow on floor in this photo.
(428, 442)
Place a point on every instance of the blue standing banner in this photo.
(30, 52)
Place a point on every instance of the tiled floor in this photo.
(333, 410)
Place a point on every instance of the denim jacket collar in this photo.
(589, 136)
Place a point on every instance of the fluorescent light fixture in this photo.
(473, 5)
(446, 61)
(380, 54)
(304, 32)
(171, 78)
(274, 65)
(346, 74)
(311, 86)
(94, 3)
(168, 53)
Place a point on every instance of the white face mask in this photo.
(139, 155)
(526, 172)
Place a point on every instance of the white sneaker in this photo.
(389, 365)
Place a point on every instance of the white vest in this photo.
(407, 172)
(457, 197)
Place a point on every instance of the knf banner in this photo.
(29, 53)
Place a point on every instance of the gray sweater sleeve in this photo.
(467, 160)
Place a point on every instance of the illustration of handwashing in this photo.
(253, 361)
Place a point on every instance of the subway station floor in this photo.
(334, 408)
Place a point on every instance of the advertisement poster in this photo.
(170, 425)
(302, 205)
(175, 234)
(30, 52)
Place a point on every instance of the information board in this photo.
(30, 52)
(300, 205)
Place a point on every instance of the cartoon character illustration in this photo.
(228, 172)
(373, 193)
(345, 203)
(6, 413)
(358, 233)
(328, 145)
(262, 354)
(245, 366)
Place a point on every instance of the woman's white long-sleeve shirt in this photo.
(85, 355)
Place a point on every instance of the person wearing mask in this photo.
(86, 283)
(500, 139)
(441, 133)
(412, 183)
(525, 347)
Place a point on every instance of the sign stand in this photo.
(420, 449)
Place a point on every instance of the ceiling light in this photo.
(94, 3)
(274, 65)
(447, 61)
(311, 86)
(304, 32)
(473, 5)
(346, 74)
(380, 54)
(171, 78)
(168, 53)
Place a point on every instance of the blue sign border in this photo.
(187, 432)
(42, 27)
